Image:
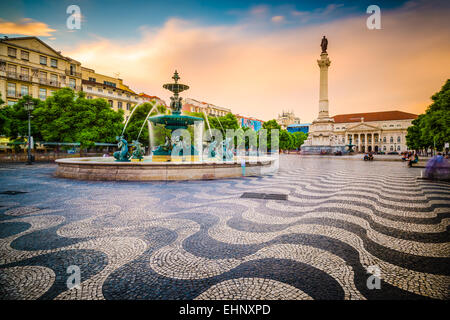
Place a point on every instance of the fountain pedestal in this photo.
(173, 122)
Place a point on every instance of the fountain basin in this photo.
(174, 121)
(106, 169)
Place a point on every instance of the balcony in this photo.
(16, 95)
(73, 73)
(111, 95)
(52, 83)
(18, 76)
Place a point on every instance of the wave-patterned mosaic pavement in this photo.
(201, 240)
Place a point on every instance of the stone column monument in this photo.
(323, 63)
(321, 135)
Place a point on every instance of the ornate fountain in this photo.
(173, 150)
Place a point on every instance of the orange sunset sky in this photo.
(258, 67)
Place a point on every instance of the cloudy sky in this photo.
(257, 58)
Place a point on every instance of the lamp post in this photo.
(29, 106)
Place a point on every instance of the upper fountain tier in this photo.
(176, 119)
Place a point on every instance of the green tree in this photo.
(228, 121)
(432, 129)
(300, 138)
(269, 126)
(14, 120)
(5, 118)
(70, 117)
(138, 120)
(286, 140)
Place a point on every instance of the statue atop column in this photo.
(324, 44)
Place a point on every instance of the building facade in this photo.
(287, 118)
(192, 105)
(301, 127)
(374, 131)
(118, 95)
(28, 66)
(153, 99)
(249, 122)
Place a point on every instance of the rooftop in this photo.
(374, 116)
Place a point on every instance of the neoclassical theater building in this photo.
(372, 131)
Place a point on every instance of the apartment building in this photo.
(192, 105)
(28, 66)
(147, 98)
(118, 95)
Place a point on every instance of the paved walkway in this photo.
(201, 240)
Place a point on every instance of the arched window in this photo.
(398, 148)
(399, 139)
(384, 139)
(384, 148)
(392, 148)
(392, 139)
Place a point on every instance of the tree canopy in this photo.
(432, 129)
(137, 121)
(14, 120)
(65, 116)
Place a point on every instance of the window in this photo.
(42, 93)
(119, 104)
(398, 148)
(100, 90)
(110, 92)
(392, 148)
(72, 83)
(384, 148)
(12, 52)
(43, 75)
(92, 79)
(399, 139)
(12, 69)
(43, 60)
(24, 71)
(112, 84)
(25, 55)
(89, 88)
(11, 103)
(24, 90)
(392, 140)
(54, 79)
(54, 63)
(111, 103)
(89, 97)
(128, 106)
(11, 89)
(52, 92)
(384, 139)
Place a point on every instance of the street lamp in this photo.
(29, 106)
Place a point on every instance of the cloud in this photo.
(26, 27)
(261, 73)
(316, 14)
(277, 19)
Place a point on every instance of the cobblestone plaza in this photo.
(202, 240)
